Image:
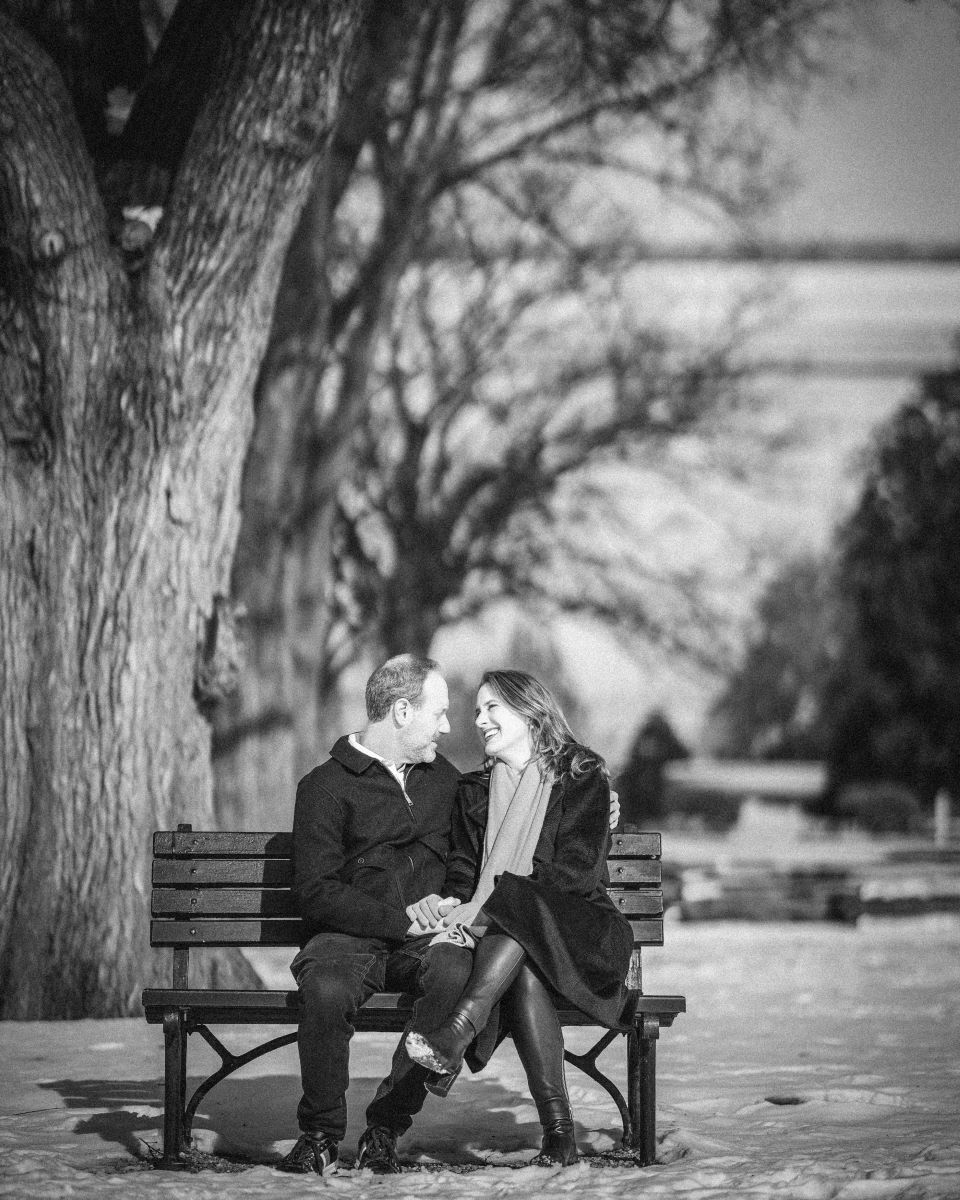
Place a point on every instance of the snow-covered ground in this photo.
(816, 1062)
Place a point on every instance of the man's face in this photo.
(425, 722)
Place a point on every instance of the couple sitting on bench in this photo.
(483, 896)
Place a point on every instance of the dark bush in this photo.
(716, 812)
(880, 807)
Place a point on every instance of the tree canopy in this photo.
(772, 704)
(856, 654)
(460, 340)
(893, 705)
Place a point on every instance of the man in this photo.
(370, 838)
(371, 834)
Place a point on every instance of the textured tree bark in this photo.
(269, 732)
(125, 413)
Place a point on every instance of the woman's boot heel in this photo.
(559, 1145)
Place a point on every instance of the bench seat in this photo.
(384, 1012)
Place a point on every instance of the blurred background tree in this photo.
(893, 703)
(457, 347)
(772, 704)
(856, 655)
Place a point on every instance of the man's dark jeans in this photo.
(336, 973)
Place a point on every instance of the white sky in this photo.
(883, 159)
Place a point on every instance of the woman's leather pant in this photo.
(533, 1021)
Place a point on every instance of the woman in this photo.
(529, 867)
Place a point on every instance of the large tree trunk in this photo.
(264, 724)
(272, 728)
(125, 413)
(111, 569)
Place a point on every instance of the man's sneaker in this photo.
(318, 1154)
(378, 1151)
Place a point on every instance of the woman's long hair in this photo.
(553, 742)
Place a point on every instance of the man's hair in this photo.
(399, 678)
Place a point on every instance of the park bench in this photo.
(234, 889)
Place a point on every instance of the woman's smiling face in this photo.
(506, 735)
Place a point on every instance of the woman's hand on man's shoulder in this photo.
(614, 809)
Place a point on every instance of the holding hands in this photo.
(427, 915)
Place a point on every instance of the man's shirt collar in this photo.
(398, 770)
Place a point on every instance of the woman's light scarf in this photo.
(516, 809)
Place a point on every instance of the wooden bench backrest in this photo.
(234, 889)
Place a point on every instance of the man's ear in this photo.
(402, 709)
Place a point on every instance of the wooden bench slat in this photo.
(224, 845)
(385, 1012)
(633, 871)
(379, 1001)
(223, 872)
(232, 1005)
(204, 998)
(243, 902)
(256, 931)
(635, 845)
(279, 902)
(645, 901)
(279, 844)
(647, 932)
(209, 932)
(278, 872)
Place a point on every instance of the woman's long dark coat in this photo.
(560, 913)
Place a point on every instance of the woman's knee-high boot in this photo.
(538, 1038)
(497, 960)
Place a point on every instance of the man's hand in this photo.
(614, 809)
(428, 913)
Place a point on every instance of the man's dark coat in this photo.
(361, 852)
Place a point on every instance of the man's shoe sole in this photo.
(380, 1167)
(329, 1169)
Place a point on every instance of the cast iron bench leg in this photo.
(642, 1086)
(174, 1087)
